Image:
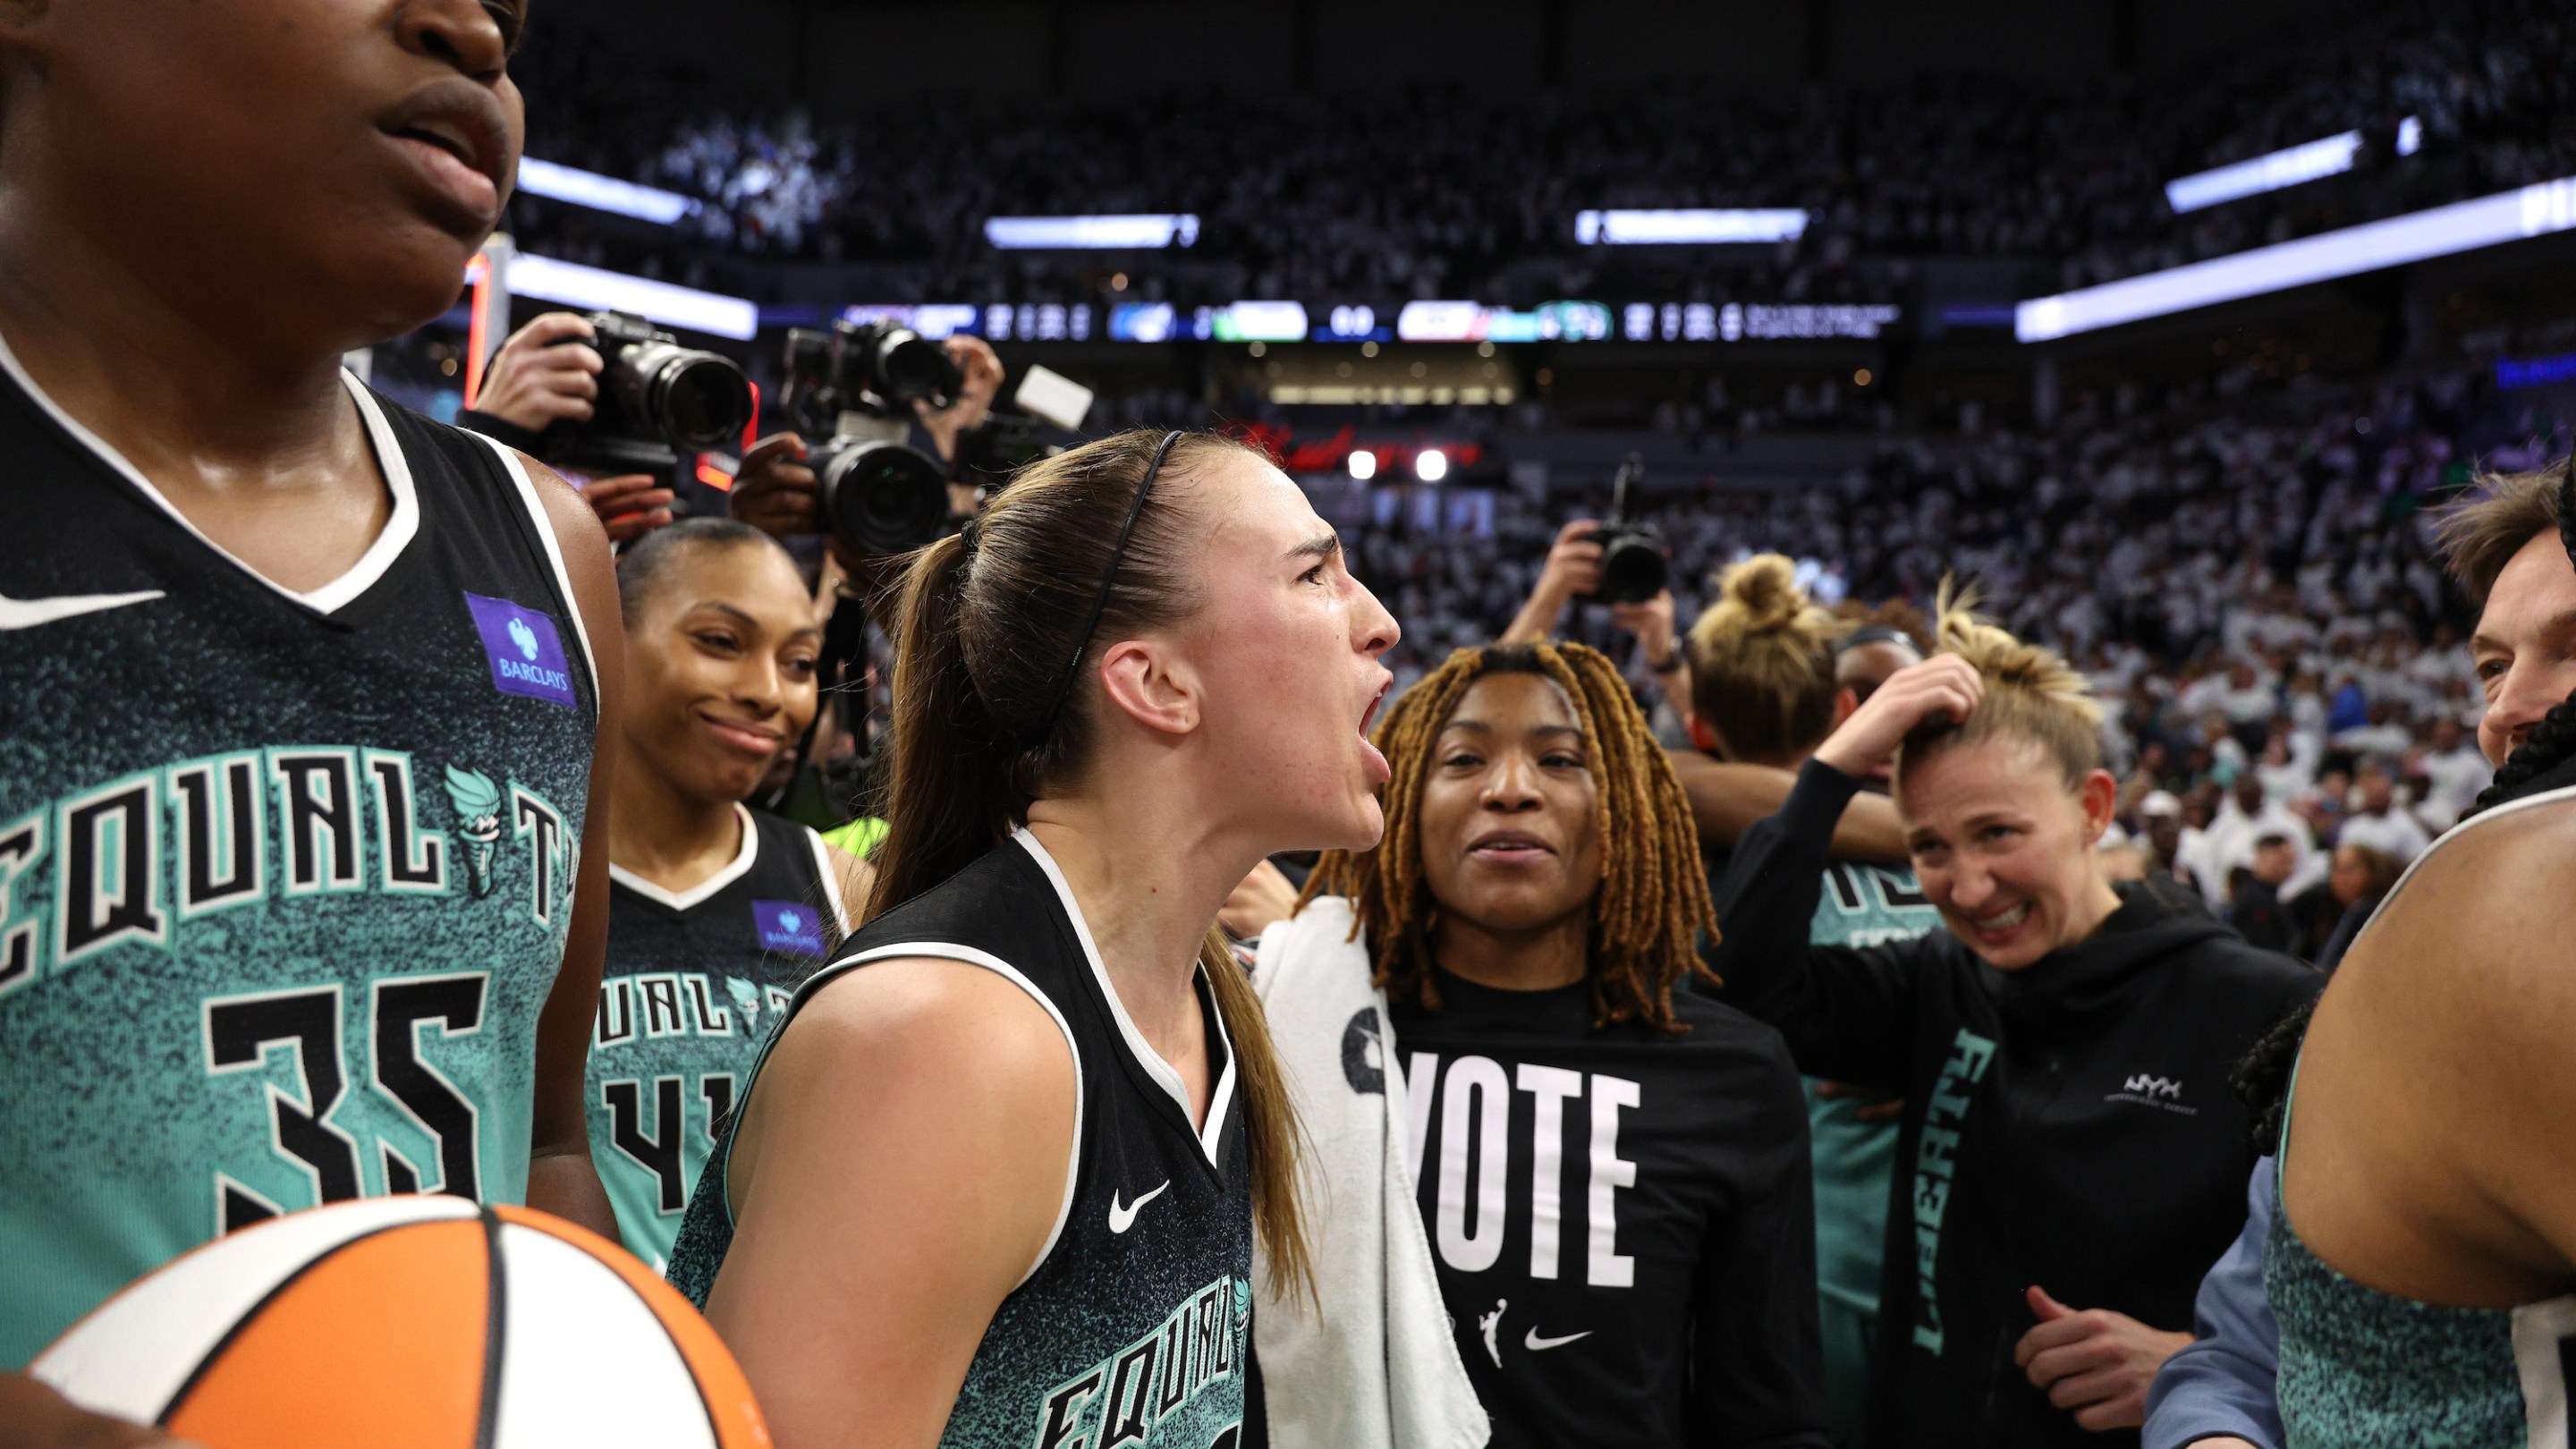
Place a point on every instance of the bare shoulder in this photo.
(2485, 917)
(892, 1018)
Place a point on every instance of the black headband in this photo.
(1100, 601)
(1875, 634)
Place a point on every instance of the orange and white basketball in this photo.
(420, 1322)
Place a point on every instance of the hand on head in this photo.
(1944, 686)
(546, 372)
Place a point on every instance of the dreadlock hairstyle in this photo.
(1762, 663)
(995, 693)
(2031, 694)
(1652, 907)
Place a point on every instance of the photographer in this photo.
(547, 372)
(776, 493)
(1726, 796)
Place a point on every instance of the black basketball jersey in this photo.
(694, 982)
(284, 878)
(1130, 1328)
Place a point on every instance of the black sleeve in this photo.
(1848, 1013)
(1757, 1357)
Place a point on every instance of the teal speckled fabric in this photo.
(2362, 1369)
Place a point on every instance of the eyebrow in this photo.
(1328, 546)
(721, 607)
(2482, 642)
(1482, 728)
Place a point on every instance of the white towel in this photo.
(1377, 1367)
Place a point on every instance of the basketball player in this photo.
(2072, 1158)
(1613, 1171)
(1771, 675)
(998, 1178)
(2422, 1262)
(715, 913)
(300, 893)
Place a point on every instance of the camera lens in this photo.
(697, 399)
(1632, 570)
(883, 498)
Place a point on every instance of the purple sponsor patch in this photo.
(786, 926)
(527, 653)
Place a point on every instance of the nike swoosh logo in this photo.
(1536, 1344)
(28, 613)
(1122, 1216)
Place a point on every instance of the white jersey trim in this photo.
(1162, 1072)
(824, 867)
(554, 550)
(951, 951)
(698, 894)
(399, 530)
(2538, 1330)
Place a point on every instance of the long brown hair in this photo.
(985, 644)
(1653, 906)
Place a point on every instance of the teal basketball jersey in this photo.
(284, 878)
(696, 981)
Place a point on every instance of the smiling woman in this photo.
(2064, 1050)
(716, 913)
(1630, 1259)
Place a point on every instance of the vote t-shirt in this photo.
(1621, 1218)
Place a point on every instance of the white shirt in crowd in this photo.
(2395, 833)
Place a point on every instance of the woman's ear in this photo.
(1142, 680)
(2100, 796)
(1846, 700)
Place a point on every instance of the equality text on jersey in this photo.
(137, 860)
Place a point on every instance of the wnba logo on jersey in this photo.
(526, 651)
(787, 927)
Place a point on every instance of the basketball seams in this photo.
(636, 1282)
(267, 1300)
(496, 1330)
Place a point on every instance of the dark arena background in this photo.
(2164, 319)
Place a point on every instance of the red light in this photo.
(713, 476)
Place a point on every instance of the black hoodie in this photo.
(2068, 1125)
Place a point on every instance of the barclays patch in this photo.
(787, 926)
(525, 648)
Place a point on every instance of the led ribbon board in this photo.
(1091, 233)
(1702, 227)
(601, 290)
(2535, 210)
(601, 193)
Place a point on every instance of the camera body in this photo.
(658, 402)
(1633, 568)
(854, 384)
